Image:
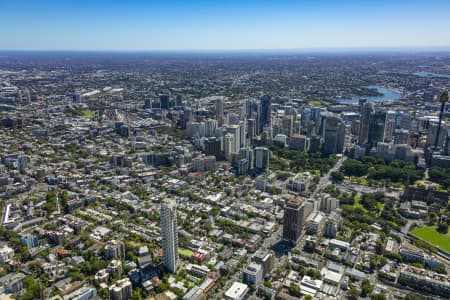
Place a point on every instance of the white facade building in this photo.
(169, 234)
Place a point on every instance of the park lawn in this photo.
(185, 252)
(429, 234)
(319, 103)
(87, 113)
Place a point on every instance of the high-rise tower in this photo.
(266, 112)
(169, 234)
(364, 122)
(294, 219)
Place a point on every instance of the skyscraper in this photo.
(333, 134)
(164, 101)
(210, 127)
(365, 112)
(266, 112)
(251, 129)
(390, 126)
(179, 101)
(294, 216)
(212, 147)
(235, 130)
(148, 103)
(376, 127)
(262, 158)
(253, 111)
(228, 146)
(169, 234)
(243, 133)
(219, 107)
(232, 118)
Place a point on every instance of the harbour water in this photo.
(430, 74)
(388, 95)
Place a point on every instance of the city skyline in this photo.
(204, 25)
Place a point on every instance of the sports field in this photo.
(185, 252)
(429, 234)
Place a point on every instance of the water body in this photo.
(430, 74)
(388, 95)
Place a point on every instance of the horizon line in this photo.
(251, 50)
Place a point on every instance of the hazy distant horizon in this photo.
(331, 50)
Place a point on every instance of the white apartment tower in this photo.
(169, 234)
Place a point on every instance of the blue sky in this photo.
(222, 25)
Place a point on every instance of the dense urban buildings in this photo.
(250, 176)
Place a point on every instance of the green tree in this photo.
(137, 294)
(440, 269)
(294, 290)
(353, 294)
(313, 273)
(432, 218)
(353, 167)
(414, 296)
(32, 289)
(443, 227)
(366, 288)
(378, 296)
(337, 176)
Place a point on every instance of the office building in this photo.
(212, 147)
(376, 127)
(84, 293)
(179, 101)
(219, 106)
(169, 234)
(29, 240)
(228, 146)
(328, 203)
(299, 142)
(209, 163)
(115, 268)
(232, 118)
(164, 101)
(332, 224)
(148, 103)
(266, 258)
(366, 109)
(235, 130)
(253, 273)
(251, 129)
(287, 125)
(333, 134)
(210, 127)
(294, 219)
(6, 254)
(243, 133)
(237, 291)
(390, 126)
(266, 112)
(262, 158)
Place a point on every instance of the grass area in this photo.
(319, 103)
(177, 133)
(87, 113)
(429, 234)
(185, 252)
(135, 244)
